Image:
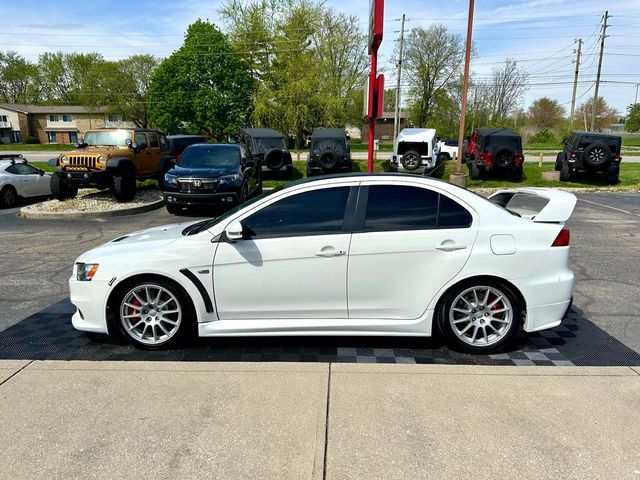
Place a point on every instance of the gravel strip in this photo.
(92, 200)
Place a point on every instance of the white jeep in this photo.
(413, 149)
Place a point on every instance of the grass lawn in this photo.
(629, 176)
(36, 147)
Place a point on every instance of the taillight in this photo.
(573, 154)
(618, 158)
(519, 158)
(486, 157)
(563, 238)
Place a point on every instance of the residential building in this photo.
(52, 124)
(384, 127)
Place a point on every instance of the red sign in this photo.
(376, 24)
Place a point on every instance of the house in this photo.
(52, 124)
(384, 127)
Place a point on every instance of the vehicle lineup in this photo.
(416, 255)
(19, 179)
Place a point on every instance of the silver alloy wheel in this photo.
(150, 314)
(597, 155)
(411, 161)
(8, 197)
(480, 316)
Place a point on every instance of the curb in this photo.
(147, 207)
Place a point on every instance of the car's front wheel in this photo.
(480, 317)
(8, 197)
(153, 314)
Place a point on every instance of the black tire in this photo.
(516, 173)
(244, 193)
(559, 162)
(185, 319)
(482, 316)
(60, 189)
(8, 197)
(173, 209)
(474, 171)
(124, 186)
(613, 178)
(596, 155)
(504, 158)
(274, 159)
(328, 160)
(411, 160)
(565, 173)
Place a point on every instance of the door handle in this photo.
(325, 252)
(450, 247)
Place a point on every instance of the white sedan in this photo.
(343, 255)
(19, 179)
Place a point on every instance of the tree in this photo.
(63, 76)
(605, 115)
(389, 100)
(505, 89)
(433, 62)
(121, 88)
(18, 79)
(545, 113)
(203, 87)
(632, 123)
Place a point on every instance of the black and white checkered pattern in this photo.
(49, 335)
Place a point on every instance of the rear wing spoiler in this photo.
(543, 205)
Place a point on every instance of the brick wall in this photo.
(384, 128)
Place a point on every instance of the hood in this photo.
(207, 172)
(142, 241)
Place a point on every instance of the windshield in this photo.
(206, 224)
(115, 138)
(328, 144)
(263, 145)
(214, 156)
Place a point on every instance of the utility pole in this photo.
(575, 84)
(396, 116)
(595, 94)
(636, 100)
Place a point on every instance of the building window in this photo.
(54, 118)
(114, 118)
(52, 137)
(73, 137)
(67, 118)
(3, 118)
(17, 137)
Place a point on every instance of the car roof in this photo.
(329, 133)
(498, 132)
(598, 134)
(205, 145)
(262, 133)
(134, 129)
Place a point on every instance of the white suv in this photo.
(446, 149)
(413, 148)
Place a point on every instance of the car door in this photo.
(409, 241)
(40, 182)
(26, 179)
(153, 153)
(292, 263)
(142, 157)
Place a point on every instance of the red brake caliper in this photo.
(133, 311)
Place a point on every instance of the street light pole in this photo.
(465, 86)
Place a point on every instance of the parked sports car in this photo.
(352, 254)
(19, 179)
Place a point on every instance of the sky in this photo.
(539, 34)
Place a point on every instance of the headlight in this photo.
(101, 160)
(64, 160)
(229, 179)
(170, 179)
(86, 271)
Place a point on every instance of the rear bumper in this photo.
(284, 168)
(185, 199)
(425, 161)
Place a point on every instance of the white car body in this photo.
(448, 150)
(420, 139)
(27, 180)
(347, 283)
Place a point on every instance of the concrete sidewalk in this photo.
(269, 420)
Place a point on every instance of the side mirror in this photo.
(233, 232)
(41, 172)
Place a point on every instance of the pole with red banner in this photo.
(375, 98)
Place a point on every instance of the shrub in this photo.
(544, 136)
(30, 140)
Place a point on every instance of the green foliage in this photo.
(544, 136)
(203, 87)
(545, 113)
(632, 124)
(18, 79)
(30, 140)
(63, 76)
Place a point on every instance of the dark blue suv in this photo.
(211, 174)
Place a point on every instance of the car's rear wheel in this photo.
(8, 197)
(480, 317)
(173, 209)
(124, 186)
(274, 159)
(153, 314)
(474, 171)
(410, 160)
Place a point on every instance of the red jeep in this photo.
(494, 150)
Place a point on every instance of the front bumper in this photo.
(90, 300)
(84, 178)
(186, 199)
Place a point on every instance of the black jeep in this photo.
(590, 152)
(329, 152)
(268, 149)
(494, 150)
